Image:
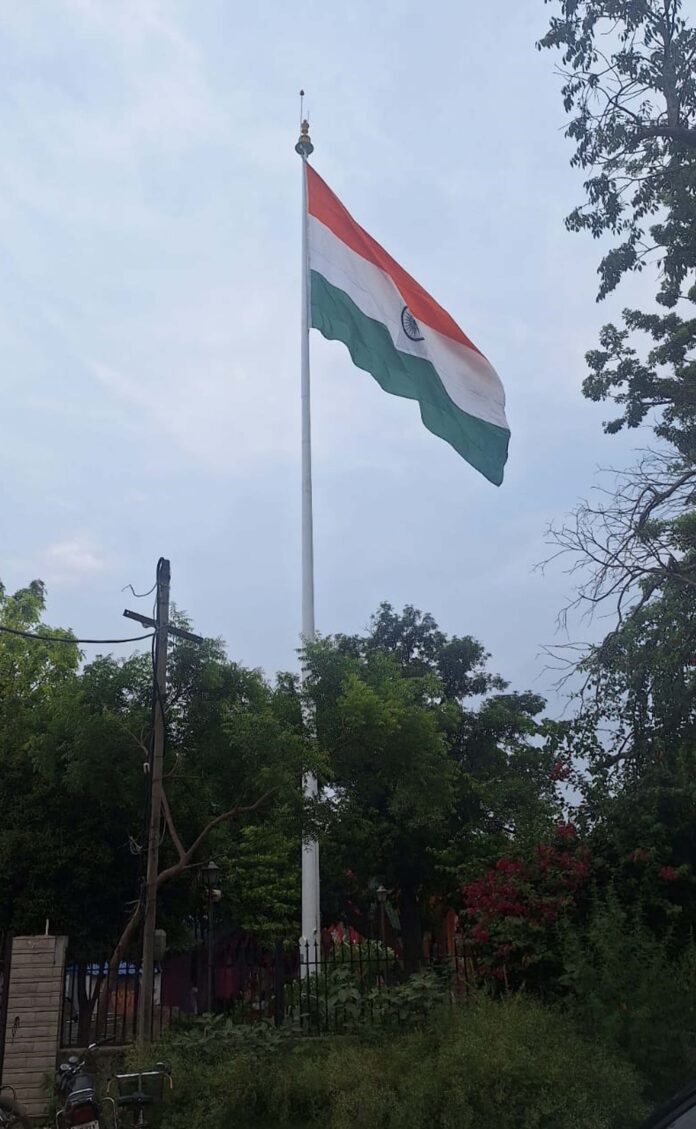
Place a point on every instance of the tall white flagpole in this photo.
(311, 922)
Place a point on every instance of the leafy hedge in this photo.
(495, 1064)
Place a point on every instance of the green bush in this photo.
(635, 992)
(341, 1001)
(494, 1064)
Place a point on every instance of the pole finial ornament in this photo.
(304, 145)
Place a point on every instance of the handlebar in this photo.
(160, 1070)
(74, 1064)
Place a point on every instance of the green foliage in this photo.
(261, 877)
(217, 1034)
(634, 738)
(510, 1064)
(416, 778)
(420, 779)
(409, 1005)
(629, 84)
(659, 386)
(511, 912)
(349, 998)
(633, 991)
(72, 747)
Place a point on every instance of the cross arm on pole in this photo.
(147, 621)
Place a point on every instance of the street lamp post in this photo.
(382, 901)
(211, 874)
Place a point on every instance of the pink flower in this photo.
(668, 873)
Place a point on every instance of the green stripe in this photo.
(337, 317)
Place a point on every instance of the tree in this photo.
(72, 747)
(420, 785)
(628, 67)
(33, 677)
(630, 86)
(633, 740)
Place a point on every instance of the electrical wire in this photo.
(68, 638)
(140, 595)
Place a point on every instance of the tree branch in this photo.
(680, 133)
(173, 833)
(183, 863)
(188, 855)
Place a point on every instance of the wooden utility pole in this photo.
(162, 633)
(156, 762)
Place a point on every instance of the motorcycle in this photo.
(76, 1086)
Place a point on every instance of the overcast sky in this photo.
(149, 313)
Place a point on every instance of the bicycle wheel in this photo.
(12, 1116)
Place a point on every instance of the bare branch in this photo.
(240, 809)
(624, 545)
(173, 833)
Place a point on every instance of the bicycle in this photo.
(12, 1116)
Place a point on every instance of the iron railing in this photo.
(316, 987)
(328, 986)
(99, 1006)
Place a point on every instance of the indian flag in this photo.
(393, 329)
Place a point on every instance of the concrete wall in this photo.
(33, 1018)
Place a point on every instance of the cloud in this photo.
(72, 561)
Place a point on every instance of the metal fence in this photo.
(358, 982)
(103, 1007)
(328, 985)
(316, 987)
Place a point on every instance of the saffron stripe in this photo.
(326, 207)
(469, 380)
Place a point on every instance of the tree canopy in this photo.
(431, 765)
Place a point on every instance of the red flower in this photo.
(566, 830)
(509, 866)
(505, 950)
(479, 933)
(559, 771)
(668, 873)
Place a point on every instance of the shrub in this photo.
(338, 1000)
(635, 992)
(510, 912)
(498, 1064)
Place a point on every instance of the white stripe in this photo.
(469, 379)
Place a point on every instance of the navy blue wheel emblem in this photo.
(410, 325)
